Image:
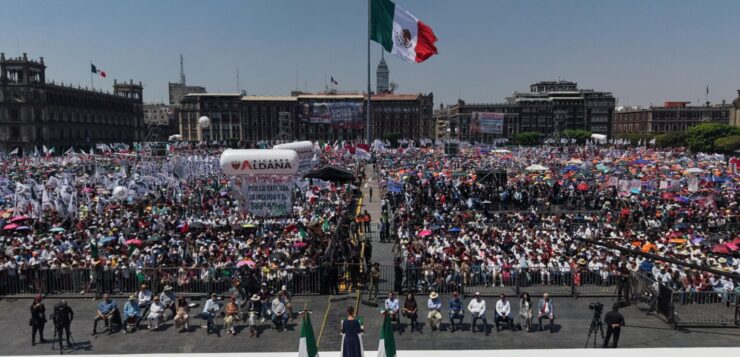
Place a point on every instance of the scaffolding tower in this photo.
(285, 128)
(558, 124)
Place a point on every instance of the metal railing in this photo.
(705, 308)
(182, 280)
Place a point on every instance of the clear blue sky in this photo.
(643, 51)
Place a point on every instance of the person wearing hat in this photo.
(182, 318)
(210, 309)
(38, 319)
(477, 308)
(435, 307)
(156, 311)
(456, 310)
(253, 308)
(167, 297)
(131, 312)
(288, 304)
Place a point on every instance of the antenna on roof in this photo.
(182, 70)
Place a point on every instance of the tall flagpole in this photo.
(92, 85)
(367, 119)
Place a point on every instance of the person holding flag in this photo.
(387, 344)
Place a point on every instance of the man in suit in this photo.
(546, 309)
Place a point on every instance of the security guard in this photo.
(614, 322)
(62, 317)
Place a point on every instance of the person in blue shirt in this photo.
(456, 310)
(107, 310)
(132, 311)
(210, 309)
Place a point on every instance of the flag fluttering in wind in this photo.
(97, 71)
(387, 345)
(307, 345)
(333, 82)
(401, 33)
(14, 152)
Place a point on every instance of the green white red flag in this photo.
(400, 33)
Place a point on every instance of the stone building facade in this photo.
(671, 117)
(34, 112)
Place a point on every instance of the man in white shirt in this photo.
(391, 307)
(503, 313)
(477, 308)
(209, 312)
(145, 298)
(156, 311)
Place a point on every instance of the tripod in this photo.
(58, 336)
(596, 326)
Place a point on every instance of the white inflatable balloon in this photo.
(259, 162)
(119, 192)
(305, 153)
(204, 122)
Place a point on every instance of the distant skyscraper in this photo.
(381, 76)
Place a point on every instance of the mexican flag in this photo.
(307, 345)
(95, 70)
(387, 345)
(400, 33)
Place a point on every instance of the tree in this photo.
(392, 137)
(701, 137)
(727, 144)
(671, 139)
(528, 138)
(580, 135)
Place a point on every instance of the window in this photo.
(14, 115)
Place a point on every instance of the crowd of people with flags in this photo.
(109, 220)
(460, 224)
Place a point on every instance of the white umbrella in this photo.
(694, 170)
(575, 162)
(536, 167)
(500, 151)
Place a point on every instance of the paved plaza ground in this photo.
(571, 326)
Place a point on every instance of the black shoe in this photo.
(93, 333)
(33, 343)
(43, 341)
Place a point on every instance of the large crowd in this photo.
(107, 223)
(460, 224)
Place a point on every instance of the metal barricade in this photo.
(704, 308)
(539, 281)
(594, 283)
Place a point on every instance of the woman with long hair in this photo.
(525, 311)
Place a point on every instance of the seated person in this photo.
(107, 311)
(456, 310)
(232, 315)
(503, 313)
(156, 311)
(182, 318)
(209, 312)
(391, 308)
(279, 312)
(253, 307)
(411, 311)
(435, 306)
(145, 298)
(132, 312)
(167, 297)
(477, 308)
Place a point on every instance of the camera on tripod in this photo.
(597, 307)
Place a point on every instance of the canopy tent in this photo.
(536, 167)
(331, 173)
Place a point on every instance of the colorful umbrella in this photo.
(23, 228)
(106, 240)
(720, 249)
(57, 229)
(247, 262)
(300, 244)
(10, 226)
(134, 242)
(18, 219)
(425, 233)
(454, 230)
(732, 246)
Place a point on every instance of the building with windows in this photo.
(180, 89)
(382, 76)
(671, 117)
(441, 122)
(260, 118)
(160, 122)
(34, 112)
(548, 107)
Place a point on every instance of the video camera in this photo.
(598, 309)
